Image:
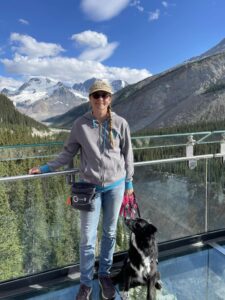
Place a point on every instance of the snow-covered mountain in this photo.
(41, 97)
(83, 88)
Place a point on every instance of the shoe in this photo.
(108, 289)
(84, 292)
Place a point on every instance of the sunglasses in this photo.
(97, 95)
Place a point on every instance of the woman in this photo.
(106, 159)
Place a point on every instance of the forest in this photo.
(38, 231)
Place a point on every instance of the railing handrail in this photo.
(136, 164)
(35, 176)
(174, 134)
(176, 159)
(32, 145)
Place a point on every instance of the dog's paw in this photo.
(125, 296)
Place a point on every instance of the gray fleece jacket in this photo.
(100, 163)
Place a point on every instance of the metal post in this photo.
(222, 146)
(206, 195)
(192, 163)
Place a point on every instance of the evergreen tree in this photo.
(35, 229)
(11, 258)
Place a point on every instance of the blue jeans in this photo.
(110, 202)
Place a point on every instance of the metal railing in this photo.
(196, 158)
(35, 176)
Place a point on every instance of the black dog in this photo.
(140, 266)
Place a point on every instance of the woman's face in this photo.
(100, 101)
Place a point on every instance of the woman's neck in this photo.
(101, 117)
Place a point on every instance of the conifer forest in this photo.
(39, 232)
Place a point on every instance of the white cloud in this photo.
(90, 38)
(102, 10)
(9, 83)
(96, 45)
(27, 45)
(23, 21)
(70, 70)
(99, 54)
(137, 4)
(154, 15)
(165, 3)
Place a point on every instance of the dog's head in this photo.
(141, 227)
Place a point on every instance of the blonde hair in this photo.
(110, 126)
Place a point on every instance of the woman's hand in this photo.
(35, 170)
(129, 192)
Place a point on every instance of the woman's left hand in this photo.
(129, 192)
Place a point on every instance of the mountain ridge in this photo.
(41, 97)
(185, 94)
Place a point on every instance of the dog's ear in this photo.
(152, 228)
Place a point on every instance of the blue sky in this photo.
(72, 41)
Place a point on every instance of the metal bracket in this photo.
(222, 146)
(70, 178)
(192, 163)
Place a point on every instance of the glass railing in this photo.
(39, 232)
(30, 151)
(182, 201)
(179, 140)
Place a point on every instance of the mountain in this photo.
(42, 97)
(83, 88)
(189, 93)
(11, 117)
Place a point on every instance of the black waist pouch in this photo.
(83, 196)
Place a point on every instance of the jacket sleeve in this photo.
(128, 155)
(70, 149)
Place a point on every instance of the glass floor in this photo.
(197, 273)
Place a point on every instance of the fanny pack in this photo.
(82, 196)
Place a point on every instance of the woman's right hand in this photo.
(35, 170)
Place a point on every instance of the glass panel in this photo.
(172, 196)
(38, 231)
(214, 137)
(216, 275)
(197, 275)
(169, 140)
(216, 194)
(18, 152)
